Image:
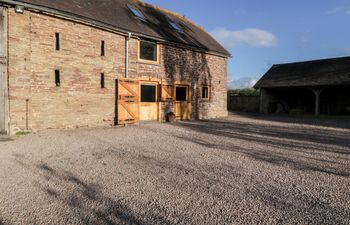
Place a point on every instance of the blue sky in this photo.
(261, 33)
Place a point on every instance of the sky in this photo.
(259, 33)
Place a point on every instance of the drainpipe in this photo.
(127, 55)
(127, 39)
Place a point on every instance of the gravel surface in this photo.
(245, 169)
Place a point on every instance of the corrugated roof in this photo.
(115, 13)
(324, 72)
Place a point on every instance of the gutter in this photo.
(104, 26)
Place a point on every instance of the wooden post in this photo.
(317, 93)
(3, 73)
(261, 100)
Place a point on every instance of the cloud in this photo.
(334, 11)
(244, 82)
(339, 10)
(251, 37)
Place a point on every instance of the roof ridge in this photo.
(313, 60)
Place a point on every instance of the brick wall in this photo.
(80, 101)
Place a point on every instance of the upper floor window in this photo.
(148, 50)
(137, 13)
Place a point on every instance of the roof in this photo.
(115, 13)
(324, 72)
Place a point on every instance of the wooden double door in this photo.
(136, 101)
(139, 100)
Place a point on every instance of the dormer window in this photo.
(175, 26)
(137, 13)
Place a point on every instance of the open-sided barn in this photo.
(104, 62)
(312, 87)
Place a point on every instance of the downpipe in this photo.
(127, 39)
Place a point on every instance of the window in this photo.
(205, 92)
(57, 78)
(102, 48)
(181, 94)
(148, 93)
(137, 13)
(175, 26)
(148, 51)
(57, 41)
(102, 80)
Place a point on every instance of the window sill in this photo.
(149, 62)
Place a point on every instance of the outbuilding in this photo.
(312, 87)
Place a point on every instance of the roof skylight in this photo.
(175, 26)
(137, 13)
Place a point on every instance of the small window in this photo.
(137, 13)
(102, 80)
(181, 94)
(57, 41)
(148, 50)
(102, 48)
(148, 93)
(205, 92)
(175, 26)
(57, 78)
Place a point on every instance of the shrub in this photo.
(244, 92)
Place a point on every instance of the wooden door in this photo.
(183, 106)
(128, 101)
(167, 92)
(149, 106)
(3, 72)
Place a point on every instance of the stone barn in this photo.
(67, 64)
(313, 87)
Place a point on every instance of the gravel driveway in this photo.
(245, 169)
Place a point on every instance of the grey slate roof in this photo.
(324, 72)
(116, 14)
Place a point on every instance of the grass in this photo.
(22, 133)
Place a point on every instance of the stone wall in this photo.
(80, 101)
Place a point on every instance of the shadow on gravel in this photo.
(86, 200)
(300, 208)
(5, 139)
(311, 149)
(323, 120)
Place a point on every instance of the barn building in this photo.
(312, 87)
(67, 64)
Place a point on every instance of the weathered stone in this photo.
(80, 101)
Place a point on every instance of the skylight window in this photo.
(137, 13)
(175, 26)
